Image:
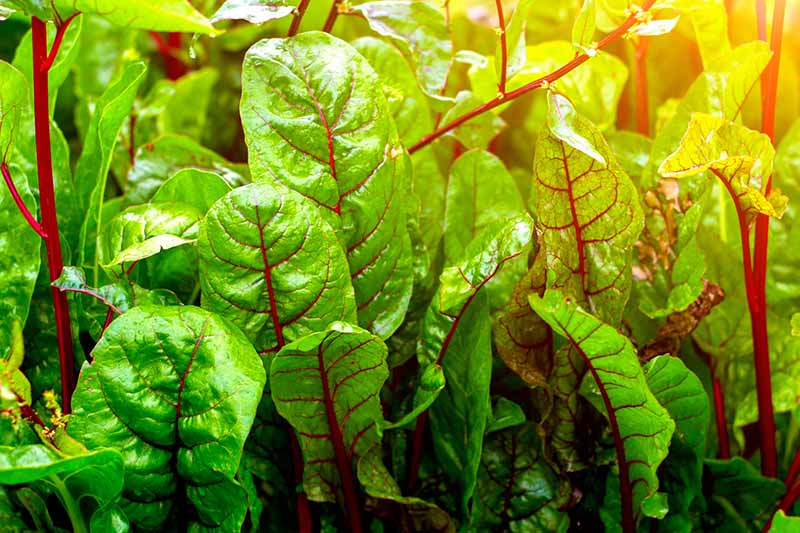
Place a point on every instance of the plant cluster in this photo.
(398, 265)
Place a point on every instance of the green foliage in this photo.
(331, 252)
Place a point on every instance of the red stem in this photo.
(794, 469)
(332, 16)
(565, 69)
(20, 203)
(304, 523)
(719, 403)
(503, 46)
(785, 504)
(48, 204)
(174, 66)
(132, 139)
(642, 107)
(298, 17)
(769, 91)
(60, 31)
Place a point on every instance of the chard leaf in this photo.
(456, 334)
(143, 231)
(584, 26)
(326, 385)
(515, 485)
(740, 491)
(165, 156)
(19, 244)
(681, 393)
(272, 266)
(253, 11)
(91, 173)
(73, 476)
(478, 132)
(740, 157)
(515, 41)
(784, 524)
(420, 31)
(194, 187)
(589, 214)
(319, 124)
(565, 124)
(641, 427)
(407, 102)
(159, 15)
(431, 383)
(181, 106)
(175, 389)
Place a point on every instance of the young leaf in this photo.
(515, 485)
(584, 26)
(476, 133)
(143, 231)
(641, 428)
(319, 124)
(515, 41)
(741, 158)
(175, 389)
(159, 15)
(253, 11)
(271, 266)
(419, 30)
(157, 161)
(195, 187)
(91, 173)
(588, 211)
(326, 385)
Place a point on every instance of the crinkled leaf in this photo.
(641, 427)
(326, 385)
(590, 217)
(681, 393)
(419, 30)
(515, 485)
(272, 266)
(195, 187)
(316, 121)
(175, 389)
(143, 231)
(91, 173)
(253, 11)
(159, 15)
(740, 157)
(157, 161)
(515, 28)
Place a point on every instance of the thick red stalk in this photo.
(769, 92)
(298, 17)
(560, 72)
(642, 109)
(501, 22)
(719, 403)
(32, 222)
(47, 202)
(333, 14)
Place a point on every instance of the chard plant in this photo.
(399, 265)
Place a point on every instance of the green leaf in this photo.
(73, 477)
(736, 483)
(143, 231)
(315, 120)
(478, 132)
(515, 485)
(14, 102)
(175, 389)
(195, 187)
(565, 124)
(641, 427)
(158, 15)
(407, 103)
(584, 26)
(654, 28)
(91, 173)
(326, 385)
(157, 161)
(420, 31)
(253, 11)
(796, 325)
(588, 212)
(430, 384)
(272, 266)
(506, 414)
(182, 105)
(784, 524)
(740, 157)
(515, 41)
(681, 393)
